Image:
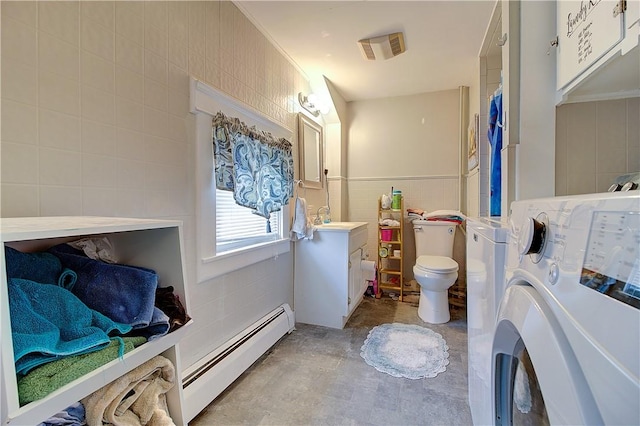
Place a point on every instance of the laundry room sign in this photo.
(586, 31)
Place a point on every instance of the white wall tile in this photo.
(19, 82)
(18, 41)
(129, 54)
(178, 54)
(130, 20)
(98, 40)
(156, 95)
(58, 56)
(156, 40)
(59, 93)
(130, 174)
(98, 138)
(60, 200)
(58, 130)
(129, 84)
(19, 200)
(100, 12)
(98, 171)
(155, 122)
(98, 73)
(22, 11)
(197, 24)
(178, 78)
(58, 167)
(19, 163)
(129, 203)
(60, 19)
(130, 145)
(612, 118)
(155, 14)
(581, 183)
(196, 65)
(177, 129)
(129, 115)
(99, 201)
(633, 134)
(178, 103)
(98, 105)
(155, 67)
(19, 122)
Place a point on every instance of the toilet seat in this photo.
(436, 264)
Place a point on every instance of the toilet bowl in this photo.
(435, 274)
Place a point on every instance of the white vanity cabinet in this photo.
(598, 55)
(328, 279)
(154, 244)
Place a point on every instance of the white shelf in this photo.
(155, 244)
(32, 413)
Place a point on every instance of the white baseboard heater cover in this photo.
(210, 376)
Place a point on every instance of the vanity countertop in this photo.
(340, 226)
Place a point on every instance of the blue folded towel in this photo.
(49, 322)
(39, 267)
(126, 294)
(158, 326)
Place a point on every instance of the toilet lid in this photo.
(439, 264)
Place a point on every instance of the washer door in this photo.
(536, 378)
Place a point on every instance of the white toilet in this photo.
(435, 270)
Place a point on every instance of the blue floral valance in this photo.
(256, 166)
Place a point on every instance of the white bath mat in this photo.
(406, 350)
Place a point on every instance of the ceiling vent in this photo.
(382, 47)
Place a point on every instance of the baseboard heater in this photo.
(210, 376)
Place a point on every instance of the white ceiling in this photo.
(442, 38)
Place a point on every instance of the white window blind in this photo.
(237, 227)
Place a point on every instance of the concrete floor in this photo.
(315, 376)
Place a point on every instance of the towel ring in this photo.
(298, 184)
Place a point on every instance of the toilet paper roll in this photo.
(368, 270)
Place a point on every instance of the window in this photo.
(237, 227)
(218, 258)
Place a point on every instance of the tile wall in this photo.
(595, 143)
(95, 121)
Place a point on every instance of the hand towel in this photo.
(126, 294)
(302, 226)
(43, 380)
(49, 322)
(136, 398)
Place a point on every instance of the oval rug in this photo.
(406, 350)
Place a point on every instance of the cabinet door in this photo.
(355, 278)
(586, 31)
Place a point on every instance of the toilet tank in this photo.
(434, 238)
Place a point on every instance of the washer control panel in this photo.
(612, 258)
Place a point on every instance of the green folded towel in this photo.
(43, 380)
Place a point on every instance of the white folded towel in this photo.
(302, 226)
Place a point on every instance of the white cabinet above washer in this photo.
(598, 55)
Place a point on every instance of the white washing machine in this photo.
(486, 253)
(566, 348)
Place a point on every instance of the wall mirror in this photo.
(310, 150)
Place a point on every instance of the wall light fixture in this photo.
(310, 103)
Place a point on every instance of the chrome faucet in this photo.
(326, 218)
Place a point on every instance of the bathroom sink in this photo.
(339, 226)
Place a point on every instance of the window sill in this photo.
(215, 266)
